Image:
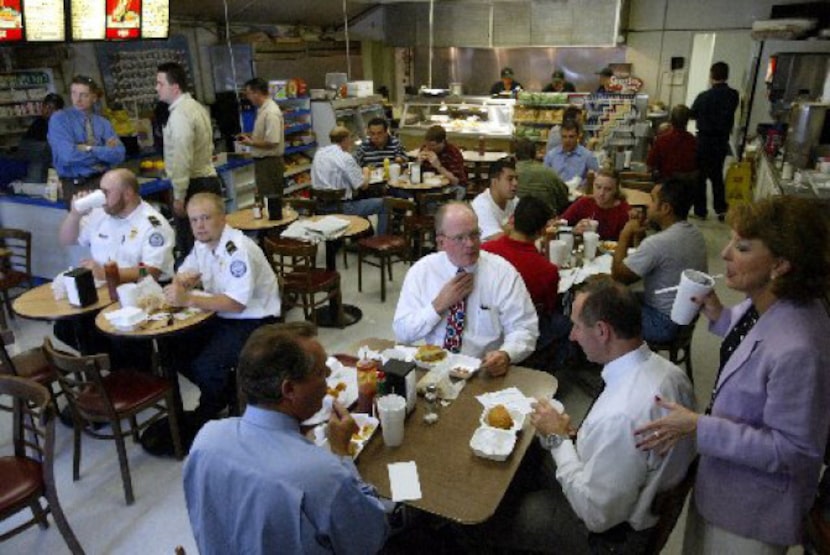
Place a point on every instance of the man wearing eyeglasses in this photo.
(237, 283)
(466, 300)
(84, 145)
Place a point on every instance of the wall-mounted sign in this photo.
(123, 19)
(43, 20)
(155, 19)
(11, 21)
(88, 19)
(120, 19)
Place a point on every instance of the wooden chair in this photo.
(15, 265)
(680, 349)
(97, 395)
(394, 244)
(31, 364)
(28, 474)
(296, 264)
(330, 201)
(303, 206)
(421, 227)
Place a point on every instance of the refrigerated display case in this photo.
(352, 113)
(466, 119)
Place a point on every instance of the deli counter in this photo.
(466, 119)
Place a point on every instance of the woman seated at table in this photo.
(762, 438)
(606, 205)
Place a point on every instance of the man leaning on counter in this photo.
(84, 144)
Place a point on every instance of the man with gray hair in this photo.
(255, 484)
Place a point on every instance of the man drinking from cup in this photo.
(662, 257)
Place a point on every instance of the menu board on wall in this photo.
(11, 21)
(43, 20)
(119, 19)
(155, 19)
(88, 19)
(123, 19)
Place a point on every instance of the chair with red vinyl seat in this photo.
(393, 246)
(96, 395)
(28, 474)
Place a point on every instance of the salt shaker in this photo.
(431, 397)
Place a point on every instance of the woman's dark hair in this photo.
(796, 230)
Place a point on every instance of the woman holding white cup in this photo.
(762, 437)
(605, 211)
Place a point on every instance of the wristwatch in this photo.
(551, 441)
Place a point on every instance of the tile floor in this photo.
(157, 522)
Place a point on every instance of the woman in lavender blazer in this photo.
(762, 439)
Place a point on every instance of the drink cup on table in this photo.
(394, 172)
(392, 413)
(692, 284)
(590, 240)
(559, 252)
(128, 294)
(88, 202)
(568, 238)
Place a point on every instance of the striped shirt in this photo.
(370, 155)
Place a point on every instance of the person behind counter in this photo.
(605, 75)
(40, 126)
(507, 84)
(558, 83)
(84, 144)
(33, 147)
(445, 159)
(266, 140)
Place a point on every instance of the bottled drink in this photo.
(481, 145)
(257, 210)
(113, 278)
(142, 271)
(386, 169)
(367, 383)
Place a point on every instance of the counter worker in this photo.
(570, 159)
(444, 159)
(298, 498)
(333, 167)
(266, 140)
(237, 283)
(507, 84)
(130, 232)
(495, 205)
(84, 144)
(34, 146)
(466, 300)
(558, 83)
(605, 75)
(39, 128)
(714, 111)
(188, 148)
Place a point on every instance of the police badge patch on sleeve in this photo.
(156, 240)
(238, 268)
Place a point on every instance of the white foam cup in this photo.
(427, 175)
(392, 412)
(594, 224)
(568, 238)
(394, 172)
(558, 252)
(692, 284)
(92, 200)
(590, 240)
(128, 294)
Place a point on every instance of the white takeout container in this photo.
(127, 318)
(517, 416)
(492, 443)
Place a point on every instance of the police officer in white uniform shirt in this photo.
(237, 283)
(126, 230)
(130, 232)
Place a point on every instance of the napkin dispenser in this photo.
(80, 287)
(401, 379)
(273, 203)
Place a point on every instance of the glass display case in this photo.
(466, 118)
(352, 113)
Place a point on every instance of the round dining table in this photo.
(245, 221)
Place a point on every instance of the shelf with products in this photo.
(21, 98)
(536, 113)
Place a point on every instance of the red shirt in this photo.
(611, 220)
(673, 152)
(452, 159)
(540, 276)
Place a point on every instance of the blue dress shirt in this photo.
(569, 164)
(67, 130)
(256, 485)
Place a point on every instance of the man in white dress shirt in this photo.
(496, 205)
(606, 485)
(334, 167)
(237, 283)
(188, 147)
(498, 319)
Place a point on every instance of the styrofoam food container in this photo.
(492, 443)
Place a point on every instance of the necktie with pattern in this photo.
(455, 324)
(90, 132)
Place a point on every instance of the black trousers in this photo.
(711, 154)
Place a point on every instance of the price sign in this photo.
(88, 19)
(155, 19)
(43, 20)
